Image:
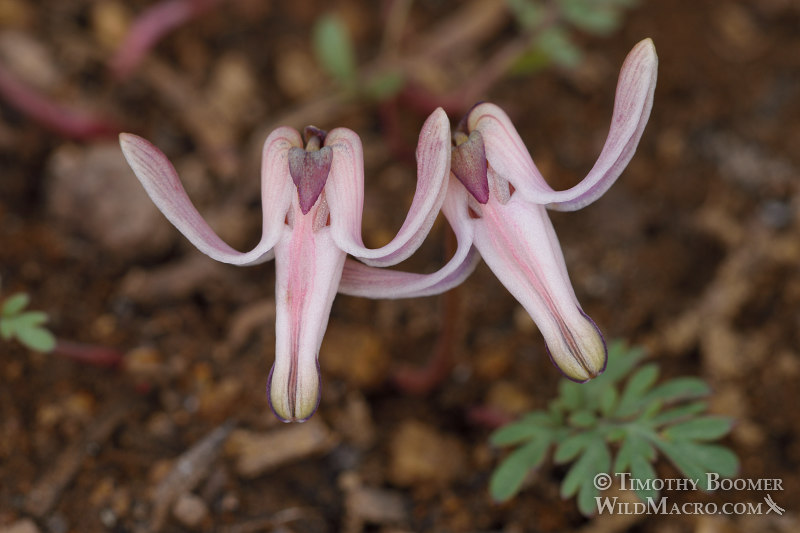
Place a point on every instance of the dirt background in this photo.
(693, 254)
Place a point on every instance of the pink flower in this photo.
(496, 202)
(312, 195)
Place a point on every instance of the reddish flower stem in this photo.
(488, 417)
(90, 354)
(421, 381)
(149, 27)
(60, 119)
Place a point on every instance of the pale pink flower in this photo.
(496, 203)
(312, 197)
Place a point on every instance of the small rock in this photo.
(721, 355)
(508, 398)
(145, 364)
(296, 72)
(217, 399)
(376, 506)
(355, 354)
(29, 59)
(495, 360)
(161, 426)
(80, 405)
(748, 434)
(110, 22)
(26, 525)
(420, 454)
(257, 453)
(190, 510)
(93, 190)
(233, 89)
(16, 13)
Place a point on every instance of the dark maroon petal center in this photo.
(309, 170)
(468, 163)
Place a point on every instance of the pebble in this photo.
(93, 191)
(217, 399)
(256, 453)
(233, 89)
(190, 510)
(494, 361)
(110, 22)
(145, 363)
(371, 505)
(29, 59)
(508, 398)
(721, 354)
(15, 13)
(421, 454)
(297, 73)
(355, 354)
(25, 525)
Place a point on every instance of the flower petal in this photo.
(518, 243)
(373, 282)
(634, 99)
(345, 192)
(163, 185)
(308, 267)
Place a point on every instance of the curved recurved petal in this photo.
(308, 267)
(517, 241)
(345, 192)
(634, 100)
(374, 282)
(163, 185)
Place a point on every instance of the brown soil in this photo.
(693, 254)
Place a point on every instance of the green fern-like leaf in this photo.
(587, 422)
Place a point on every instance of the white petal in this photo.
(163, 185)
(634, 100)
(345, 192)
(518, 243)
(373, 282)
(308, 268)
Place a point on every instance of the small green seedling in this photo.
(586, 421)
(25, 326)
(553, 24)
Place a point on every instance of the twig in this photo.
(189, 469)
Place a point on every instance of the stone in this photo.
(420, 454)
(376, 506)
(25, 525)
(190, 510)
(509, 398)
(256, 453)
(93, 191)
(355, 354)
